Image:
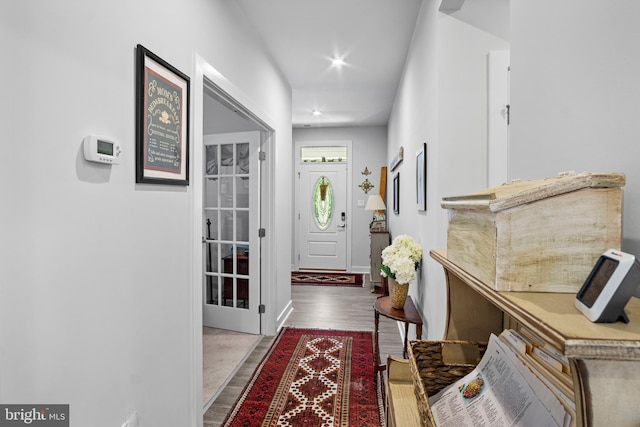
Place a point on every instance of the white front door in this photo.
(231, 221)
(322, 205)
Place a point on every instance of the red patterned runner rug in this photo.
(314, 378)
(326, 278)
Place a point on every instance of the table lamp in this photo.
(375, 203)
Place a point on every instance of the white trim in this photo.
(268, 251)
(400, 326)
(195, 370)
(284, 315)
(497, 111)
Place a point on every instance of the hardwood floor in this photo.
(321, 307)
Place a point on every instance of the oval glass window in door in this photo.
(323, 202)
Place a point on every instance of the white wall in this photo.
(442, 100)
(413, 121)
(575, 94)
(462, 104)
(369, 149)
(574, 97)
(96, 286)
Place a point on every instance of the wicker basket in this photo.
(431, 373)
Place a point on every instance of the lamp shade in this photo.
(375, 203)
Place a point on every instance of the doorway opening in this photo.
(232, 176)
(322, 201)
(232, 144)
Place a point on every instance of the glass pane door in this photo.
(226, 216)
(231, 264)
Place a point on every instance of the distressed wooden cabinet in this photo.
(379, 241)
(540, 235)
(604, 358)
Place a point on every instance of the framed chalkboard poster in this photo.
(162, 121)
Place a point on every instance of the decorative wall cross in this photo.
(366, 185)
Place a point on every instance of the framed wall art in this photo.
(162, 121)
(396, 194)
(421, 178)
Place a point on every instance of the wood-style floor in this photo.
(322, 307)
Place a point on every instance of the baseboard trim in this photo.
(284, 315)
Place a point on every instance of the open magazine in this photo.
(501, 391)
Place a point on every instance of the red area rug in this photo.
(313, 378)
(326, 279)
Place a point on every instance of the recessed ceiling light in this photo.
(337, 62)
(316, 113)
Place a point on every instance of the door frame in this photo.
(498, 74)
(206, 74)
(296, 159)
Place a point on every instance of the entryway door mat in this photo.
(326, 278)
(314, 378)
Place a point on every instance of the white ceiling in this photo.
(372, 36)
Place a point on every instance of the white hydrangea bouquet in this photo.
(401, 259)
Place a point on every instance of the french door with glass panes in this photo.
(231, 221)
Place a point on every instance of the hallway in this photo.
(321, 307)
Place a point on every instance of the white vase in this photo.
(398, 293)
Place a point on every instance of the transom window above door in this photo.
(323, 154)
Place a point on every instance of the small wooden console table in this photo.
(408, 315)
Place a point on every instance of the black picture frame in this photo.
(396, 194)
(421, 178)
(162, 121)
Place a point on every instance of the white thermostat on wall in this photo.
(101, 150)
